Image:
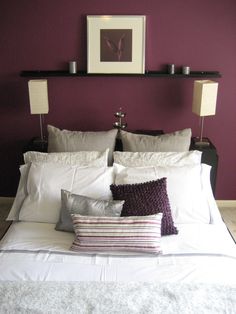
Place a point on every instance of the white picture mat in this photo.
(134, 22)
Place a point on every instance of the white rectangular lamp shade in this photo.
(204, 98)
(38, 96)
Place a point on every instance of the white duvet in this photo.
(200, 253)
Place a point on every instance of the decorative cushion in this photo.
(86, 206)
(178, 141)
(147, 198)
(71, 141)
(44, 184)
(117, 234)
(141, 159)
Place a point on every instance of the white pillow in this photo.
(20, 193)
(178, 141)
(130, 175)
(44, 184)
(86, 158)
(216, 217)
(184, 187)
(82, 158)
(142, 159)
(72, 141)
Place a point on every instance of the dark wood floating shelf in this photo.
(146, 74)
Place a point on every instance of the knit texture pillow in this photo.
(148, 198)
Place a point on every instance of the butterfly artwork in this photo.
(116, 45)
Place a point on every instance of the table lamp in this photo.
(38, 98)
(204, 104)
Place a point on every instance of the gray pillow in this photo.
(86, 206)
(178, 141)
(72, 141)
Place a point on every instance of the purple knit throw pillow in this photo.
(148, 198)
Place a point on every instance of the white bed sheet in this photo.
(199, 253)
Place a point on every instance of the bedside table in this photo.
(5, 206)
(37, 145)
(229, 216)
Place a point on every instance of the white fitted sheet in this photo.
(199, 253)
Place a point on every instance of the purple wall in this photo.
(44, 35)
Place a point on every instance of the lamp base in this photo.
(201, 141)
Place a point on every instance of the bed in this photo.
(155, 241)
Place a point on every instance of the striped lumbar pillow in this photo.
(117, 234)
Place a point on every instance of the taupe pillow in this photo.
(85, 206)
(72, 141)
(178, 141)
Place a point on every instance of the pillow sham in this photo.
(178, 141)
(147, 198)
(70, 141)
(188, 201)
(117, 234)
(86, 206)
(44, 184)
(20, 194)
(87, 158)
(141, 159)
(215, 216)
(82, 158)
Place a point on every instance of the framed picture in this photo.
(116, 43)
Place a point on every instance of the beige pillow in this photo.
(72, 141)
(178, 141)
